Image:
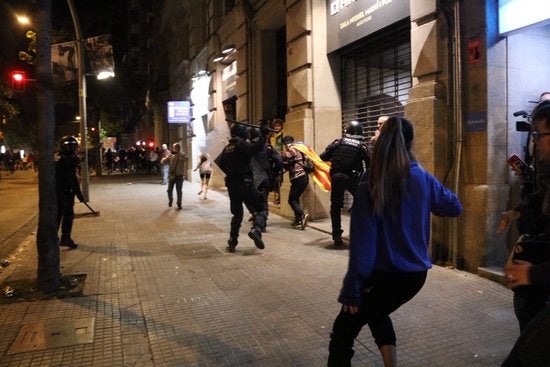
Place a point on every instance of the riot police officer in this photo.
(266, 163)
(349, 157)
(67, 187)
(234, 161)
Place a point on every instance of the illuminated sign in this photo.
(517, 14)
(179, 112)
(351, 20)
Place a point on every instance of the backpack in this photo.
(307, 164)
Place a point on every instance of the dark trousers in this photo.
(297, 188)
(528, 302)
(178, 182)
(340, 183)
(384, 292)
(531, 349)
(242, 191)
(262, 193)
(65, 217)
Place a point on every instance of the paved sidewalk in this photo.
(164, 292)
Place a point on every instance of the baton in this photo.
(250, 125)
(89, 207)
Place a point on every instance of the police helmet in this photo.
(68, 145)
(354, 128)
(254, 132)
(238, 130)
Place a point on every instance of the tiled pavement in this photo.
(164, 292)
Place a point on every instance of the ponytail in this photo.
(389, 167)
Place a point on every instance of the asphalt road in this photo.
(18, 208)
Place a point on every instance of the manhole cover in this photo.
(53, 334)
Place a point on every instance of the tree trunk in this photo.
(48, 273)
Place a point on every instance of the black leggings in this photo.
(384, 292)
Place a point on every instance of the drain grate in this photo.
(53, 334)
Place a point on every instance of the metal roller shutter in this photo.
(376, 78)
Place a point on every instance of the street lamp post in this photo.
(81, 102)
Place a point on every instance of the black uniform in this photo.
(266, 165)
(349, 157)
(235, 162)
(67, 187)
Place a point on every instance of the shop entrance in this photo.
(376, 78)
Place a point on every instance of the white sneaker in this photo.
(304, 220)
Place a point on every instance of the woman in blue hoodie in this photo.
(389, 233)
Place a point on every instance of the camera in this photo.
(524, 126)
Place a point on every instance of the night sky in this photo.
(96, 17)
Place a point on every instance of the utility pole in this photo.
(84, 172)
(47, 242)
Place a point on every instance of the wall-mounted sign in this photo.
(476, 121)
(350, 20)
(517, 14)
(65, 58)
(179, 112)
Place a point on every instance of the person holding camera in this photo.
(530, 280)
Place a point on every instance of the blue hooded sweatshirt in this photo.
(395, 243)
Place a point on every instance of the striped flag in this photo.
(321, 175)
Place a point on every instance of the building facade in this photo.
(318, 64)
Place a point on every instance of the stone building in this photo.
(446, 65)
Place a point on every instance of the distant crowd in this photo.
(13, 161)
(132, 160)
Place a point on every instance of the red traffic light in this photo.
(151, 144)
(18, 76)
(18, 81)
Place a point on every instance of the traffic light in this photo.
(18, 80)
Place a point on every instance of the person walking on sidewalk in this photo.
(176, 162)
(349, 157)
(67, 187)
(294, 162)
(390, 228)
(205, 171)
(234, 161)
(164, 167)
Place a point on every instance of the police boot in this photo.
(231, 244)
(256, 235)
(337, 237)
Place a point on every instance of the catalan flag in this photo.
(321, 175)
